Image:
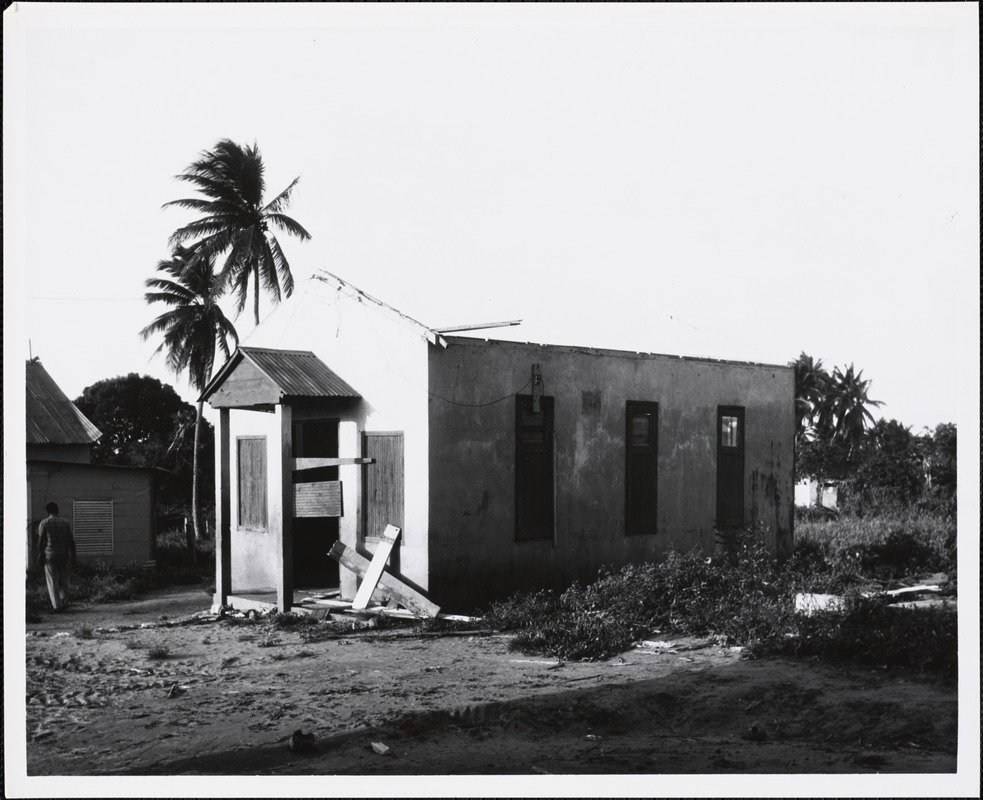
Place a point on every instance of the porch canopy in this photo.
(269, 380)
(260, 378)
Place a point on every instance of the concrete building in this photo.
(507, 465)
(111, 509)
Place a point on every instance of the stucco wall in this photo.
(473, 552)
(131, 491)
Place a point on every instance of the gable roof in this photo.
(275, 375)
(51, 417)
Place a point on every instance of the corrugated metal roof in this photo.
(51, 417)
(298, 373)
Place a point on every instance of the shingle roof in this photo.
(296, 373)
(51, 417)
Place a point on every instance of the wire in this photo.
(478, 405)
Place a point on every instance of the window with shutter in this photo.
(641, 456)
(251, 464)
(533, 469)
(93, 527)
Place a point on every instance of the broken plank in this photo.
(405, 595)
(378, 564)
(315, 463)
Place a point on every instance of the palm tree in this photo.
(847, 405)
(812, 384)
(192, 329)
(237, 222)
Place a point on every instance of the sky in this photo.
(734, 181)
(745, 182)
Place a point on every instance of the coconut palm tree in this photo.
(812, 384)
(847, 406)
(237, 222)
(193, 328)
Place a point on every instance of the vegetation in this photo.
(146, 424)
(193, 328)
(743, 597)
(101, 583)
(236, 221)
(878, 466)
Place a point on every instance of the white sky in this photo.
(736, 181)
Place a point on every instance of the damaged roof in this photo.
(51, 417)
(263, 376)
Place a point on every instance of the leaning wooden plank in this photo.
(405, 595)
(379, 559)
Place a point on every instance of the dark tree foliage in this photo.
(146, 424)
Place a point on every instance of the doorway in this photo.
(314, 536)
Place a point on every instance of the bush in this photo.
(744, 596)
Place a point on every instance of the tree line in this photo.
(878, 465)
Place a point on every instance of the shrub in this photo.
(84, 632)
(158, 652)
(744, 596)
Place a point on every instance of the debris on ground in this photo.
(301, 742)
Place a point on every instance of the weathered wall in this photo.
(473, 552)
(130, 489)
(74, 453)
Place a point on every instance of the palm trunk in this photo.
(256, 292)
(195, 531)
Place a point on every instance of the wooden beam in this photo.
(403, 594)
(223, 512)
(281, 517)
(478, 326)
(377, 565)
(315, 463)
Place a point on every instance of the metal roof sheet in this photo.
(51, 417)
(298, 373)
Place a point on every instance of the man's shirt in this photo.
(55, 538)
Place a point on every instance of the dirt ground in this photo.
(390, 701)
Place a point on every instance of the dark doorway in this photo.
(313, 536)
(730, 466)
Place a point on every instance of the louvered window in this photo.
(93, 527)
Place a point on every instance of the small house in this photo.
(110, 508)
(506, 465)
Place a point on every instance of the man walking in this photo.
(56, 546)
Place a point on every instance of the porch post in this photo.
(223, 513)
(282, 496)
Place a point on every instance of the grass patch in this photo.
(158, 652)
(84, 632)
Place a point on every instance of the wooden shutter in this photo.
(730, 466)
(382, 483)
(93, 527)
(641, 448)
(251, 462)
(533, 469)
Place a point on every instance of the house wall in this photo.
(72, 453)
(385, 360)
(473, 552)
(132, 491)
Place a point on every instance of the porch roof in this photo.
(257, 376)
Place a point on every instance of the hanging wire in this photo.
(479, 405)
